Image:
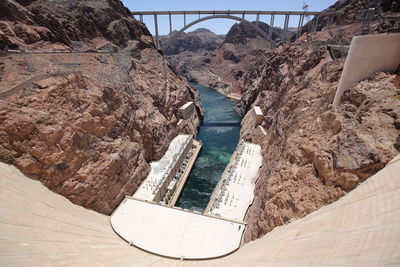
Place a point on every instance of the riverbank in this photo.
(228, 93)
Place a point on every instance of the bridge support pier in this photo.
(170, 23)
(285, 27)
(184, 19)
(156, 29)
(315, 24)
(141, 18)
(271, 26)
(258, 20)
(300, 26)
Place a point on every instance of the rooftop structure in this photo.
(235, 191)
(186, 110)
(165, 172)
(258, 115)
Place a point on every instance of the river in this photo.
(219, 134)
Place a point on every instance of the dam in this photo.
(39, 226)
(149, 219)
(104, 160)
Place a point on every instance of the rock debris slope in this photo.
(89, 101)
(313, 154)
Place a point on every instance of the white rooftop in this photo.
(258, 110)
(174, 232)
(161, 169)
(186, 105)
(237, 193)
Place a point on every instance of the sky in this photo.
(220, 26)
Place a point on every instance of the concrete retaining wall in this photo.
(258, 115)
(164, 187)
(368, 55)
(186, 110)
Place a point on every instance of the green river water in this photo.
(219, 135)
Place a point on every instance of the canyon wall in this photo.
(218, 61)
(89, 101)
(313, 153)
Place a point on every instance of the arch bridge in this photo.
(238, 16)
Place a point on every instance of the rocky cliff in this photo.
(314, 153)
(218, 62)
(242, 33)
(88, 102)
(199, 39)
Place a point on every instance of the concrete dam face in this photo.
(39, 227)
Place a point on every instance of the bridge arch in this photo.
(258, 30)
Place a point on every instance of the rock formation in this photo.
(89, 102)
(242, 33)
(218, 61)
(199, 39)
(313, 153)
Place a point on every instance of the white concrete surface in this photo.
(235, 192)
(186, 110)
(368, 55)
(161, 170)
(173, 232)
(177, 233)
(41, 228)
(262, 130)
(258, 115)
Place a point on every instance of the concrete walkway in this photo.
(185, 175)
(41, 228)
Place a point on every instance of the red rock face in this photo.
(222, 66)
(313, 153)
(24, 23)
(86, 124)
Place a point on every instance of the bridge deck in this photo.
(231, 12)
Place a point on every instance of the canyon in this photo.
(313, 153)
(87, 102)
(217, 61)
